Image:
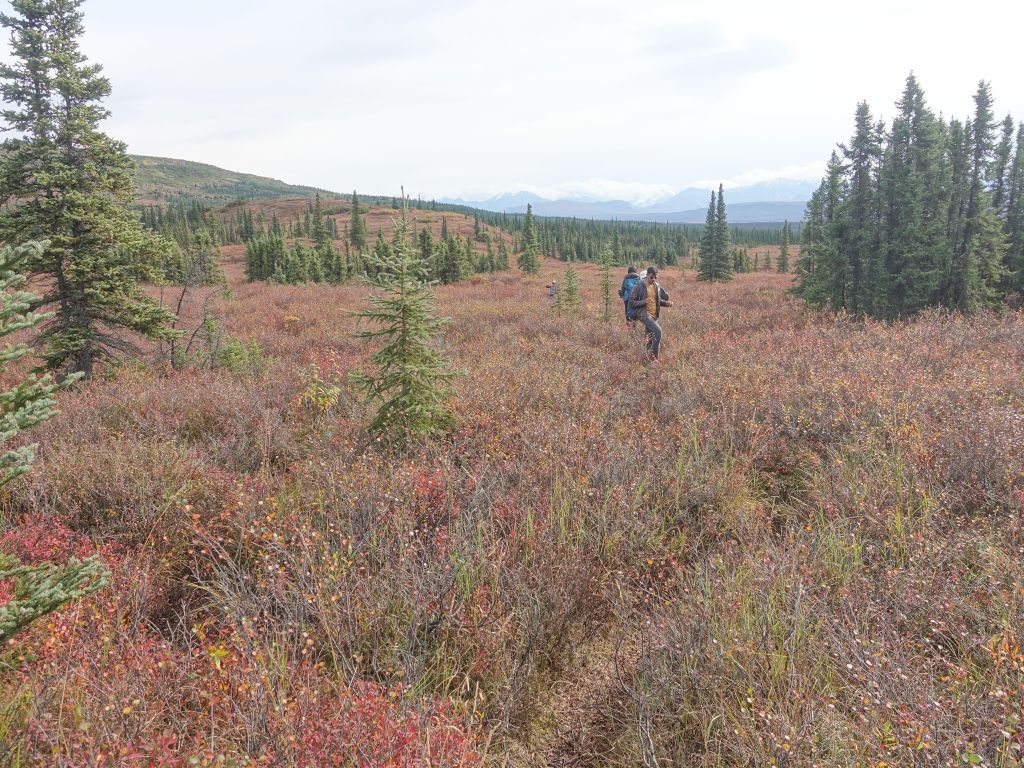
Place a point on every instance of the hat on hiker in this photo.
(652, 271)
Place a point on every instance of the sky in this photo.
(469, 98)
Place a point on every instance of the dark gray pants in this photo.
(653, 335)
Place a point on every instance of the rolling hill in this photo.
(163, 180)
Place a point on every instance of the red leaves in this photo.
(368, 728)
(36, 540)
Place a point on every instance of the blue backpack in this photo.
(628, 285)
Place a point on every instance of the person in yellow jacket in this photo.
(647, 299)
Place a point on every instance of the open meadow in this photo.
(797, 542)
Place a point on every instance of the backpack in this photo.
(631, 311)
(628, 285)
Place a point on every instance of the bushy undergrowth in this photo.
(802, 535)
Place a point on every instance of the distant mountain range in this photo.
(767, 201)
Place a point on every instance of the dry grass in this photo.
(797, 542)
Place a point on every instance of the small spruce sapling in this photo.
(568, 297)
(411, 382)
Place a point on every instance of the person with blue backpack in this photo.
(628, 284)
(645, 303)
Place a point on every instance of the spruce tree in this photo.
(41, 589)
(977, 253)
(1015, 218)
(568, 298)
(411, 384)
(809, 240)
(860, 246)
(359, 236)
(914, 190)
(723, 241)
(503, 255)
(73, 185)
(706, 271)
(472, 261)
(529, 259)
(319, 233)
(821, 278)
(1002, 168)
(782, 263)
(716, 256)
(426, 247)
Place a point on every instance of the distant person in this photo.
(628, 284)
(552, 291)
(646, 302)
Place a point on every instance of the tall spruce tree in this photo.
(1002, 168)
(411, 384)
(717, 260)
(810, 238)
(977, 253)
(860, 231)
(319, 232)
(823, 278)
(914, 193)
(73, 186)
(1015, 218)
(723, 240)
(529, 259)
(706, 270)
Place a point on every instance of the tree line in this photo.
(919, 213)
(191, 226)
(305, 250)
(631, 242)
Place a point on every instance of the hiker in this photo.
(628, 284)
(552, 291)
(645, 303)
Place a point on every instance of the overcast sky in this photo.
(617, 99)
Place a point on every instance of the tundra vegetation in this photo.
(800, 537)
